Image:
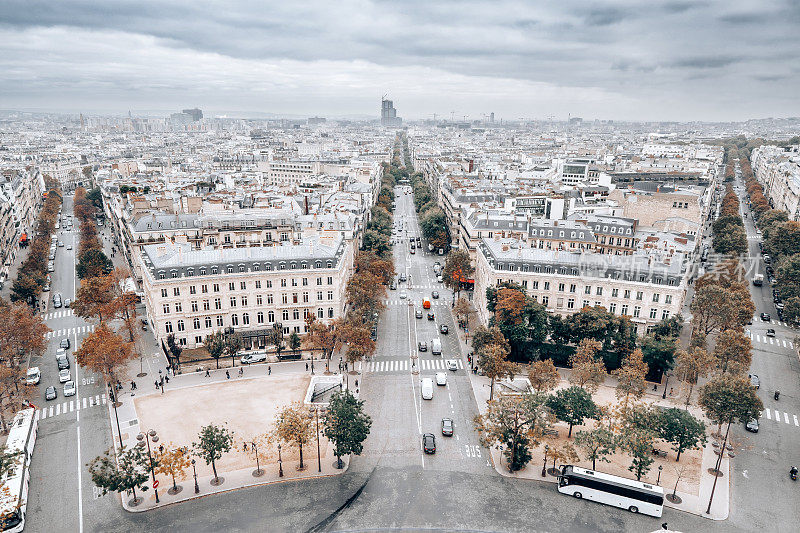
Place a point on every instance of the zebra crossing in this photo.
(434, 303)
(774, 341)
(63, 408)
(405, 364)
(59, 314)
(57, 333)
(776, 416)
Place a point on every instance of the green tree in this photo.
(727, 398)
(275, 337)
(294, 342)
(784, 239)
(691, 366)
(346, 424)
(376, 242)
(93, 263)
(516, 423)
(788, 275)
(597, 444)
(659, 353)
(791, 310)
(127, 470)
(573, 405)
(26, 288)
(638, 443)
(233, 345)
(681, 429)
(213, 441)
(732, 352)
(215, 344)
(587, 371)
(483, 336)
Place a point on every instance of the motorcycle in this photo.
(793, 473)
(777, 394)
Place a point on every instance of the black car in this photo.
(402, 278)
(770, 332)
(447, 427)
(64, 343)
(435, 295)
(444, 329)
(429, 443)
(423, 346)
(50, 393)
(63, 363)
(752, 425)
(765, 317)
(430, 316)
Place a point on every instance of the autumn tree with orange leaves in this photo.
(104, 352)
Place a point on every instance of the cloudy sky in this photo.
(651, 59)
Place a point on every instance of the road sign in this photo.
(155, 484)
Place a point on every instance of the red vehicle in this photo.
(426, 304)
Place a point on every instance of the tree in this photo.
(127, 470)
(233, 344)
(174, 462)
(788, 275)
(104, 352)
(573, 405)
(322, 336)
(516, 423)
(463, 310)
(681, 429)
(484, 336)
(94, 298)
(543, 375)
(727, 398)
(457, 267)
(715, 307)
(791, 310)
(732, 352)
(275, 337)
(215, 344)
(294, 426)
(175, 349)
(359, 340)
(638, 443)
(346, 424)
(659, 353)
(784, 239)
(631, 377)
(377, 242)
(597, 444)
(22, 334)
(492, 361)
(93, 263)
(294, 342)
(521, 319)
(26, 288)
(587, 371)
(213, 441)
(691, 366)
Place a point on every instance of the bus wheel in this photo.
(577, 495)
(633, 509)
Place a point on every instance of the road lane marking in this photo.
(58, 409)
(71, 406)
(786, 416)
(796, 423)
(768, 415)
(777, 416)
(84, 403)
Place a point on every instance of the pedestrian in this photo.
(306, 367)
(244, 446)
(269, 370)
(356, 383)
(241, 371)
(207, 374)
(166, 379)
(156, 382)
(227, 375)
(133, 385)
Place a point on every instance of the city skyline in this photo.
(672, 60)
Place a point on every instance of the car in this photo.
(430, 316)
(258, 357)
(429, 443)
(413, 246)
(33, 375)
(754, 380)
(50, 393)
(452, 364)
(770, 332)
(435, 295)
(441, 378)
(67, 302)
(752, 425)
(63, 375)
(393, 285)
(60, 244)
(780, 306)
(439, 278)
(765, 317)
(403, 295)
(69, 247)
(60, 352)
(447, 427)
(422, 346)
(402, 278)
(69, 388)
(444, 329)
(418, 313)
(51, 267)
(63, 362)
(64, 343)
(412, 251)
(767, 259)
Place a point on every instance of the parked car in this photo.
(422, 346)
(752, 425)
(403, 294)
(50, 393)
(250, 358)
(444, 329)
(439, 278)
(770, 332)
(765, 317)
(412, 251)
(402, 278)
(64, 343)
(393, 285)
(63, 375)
(429, 443)
(33, 375)
(63, 362)
(69, 246)
(69, 388)
(447, 427)
(754, 380)
(67, 303)
(441, 378)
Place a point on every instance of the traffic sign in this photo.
(155, 484)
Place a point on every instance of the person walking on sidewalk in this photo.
(241, 371)
(227, 375)
(166, 379)
(269, 370)
(207, 374)
(306, 367)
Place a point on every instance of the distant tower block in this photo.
(389, 116)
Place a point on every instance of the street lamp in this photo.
(280, 462)
(258, 472)
(660, 468)
(319, 457)
(544, 465)
(146, 438)
(312, 362)
(196, 486)
(666, 384)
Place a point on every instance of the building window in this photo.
(168, 327)
(320, 313)
(330, 295)
(305, 297)
(614, 293)
(627, 293)
(178, 307)
(163, 293)
(269, 284)
(246, 319)
(653, 313)
(216, 287)
(260, 317)
(284, 298)
(198, 339)
(165, 308)
(599, 291)
(571, 303)
(330, 312)
(176, 291)
(585, 304)
(285, 314)
(294, 298)
(271, 317)
(545, 300)
(208, 322)
(258, 284)
(296, 314)
(217, 303)
(196, 323)
(639, 295)
(561, 287)
(220, 321)
(204, 289)
(231, 286)
(572, 287)
(173, 274)
(244, 301)
(305, 282)
(656, 297)
(192, 289)
(330, 280)
(636, 311)
(243, 285)
(181, 325)
(283, 282)
(668, 299)
(259, 299)
(587, 289)
(613, 308)
(664, 314)
(233, 301)
(269, 299)
(206, 305)
(194, 306)
(624, 309)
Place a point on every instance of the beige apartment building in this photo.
(192, 293)
(644, 287)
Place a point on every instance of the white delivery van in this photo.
(426, 388)
(436, 347)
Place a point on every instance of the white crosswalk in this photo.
(776, 416)
(59, 314)
(56, 333)
(774, 341)
(63, 408)
(405, 364)
(434, 303)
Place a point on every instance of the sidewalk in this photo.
(129, 421)
(690, 503)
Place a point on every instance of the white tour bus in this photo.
(635, 496)
(21, 438)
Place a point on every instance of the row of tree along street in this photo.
(344, 424)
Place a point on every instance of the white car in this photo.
(254, 358)
(69, 388)
(452, 364)
(441, 378)
(403, 295)
(33, 375)
(439, 278)
(63, 375)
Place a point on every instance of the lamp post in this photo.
(544, 464)
(666, 384)
(258, 472)
(280, 462)
(116, 417)
(312, 362)
(660, 468)
(146, 438)
(319, 457)
(196, 486)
